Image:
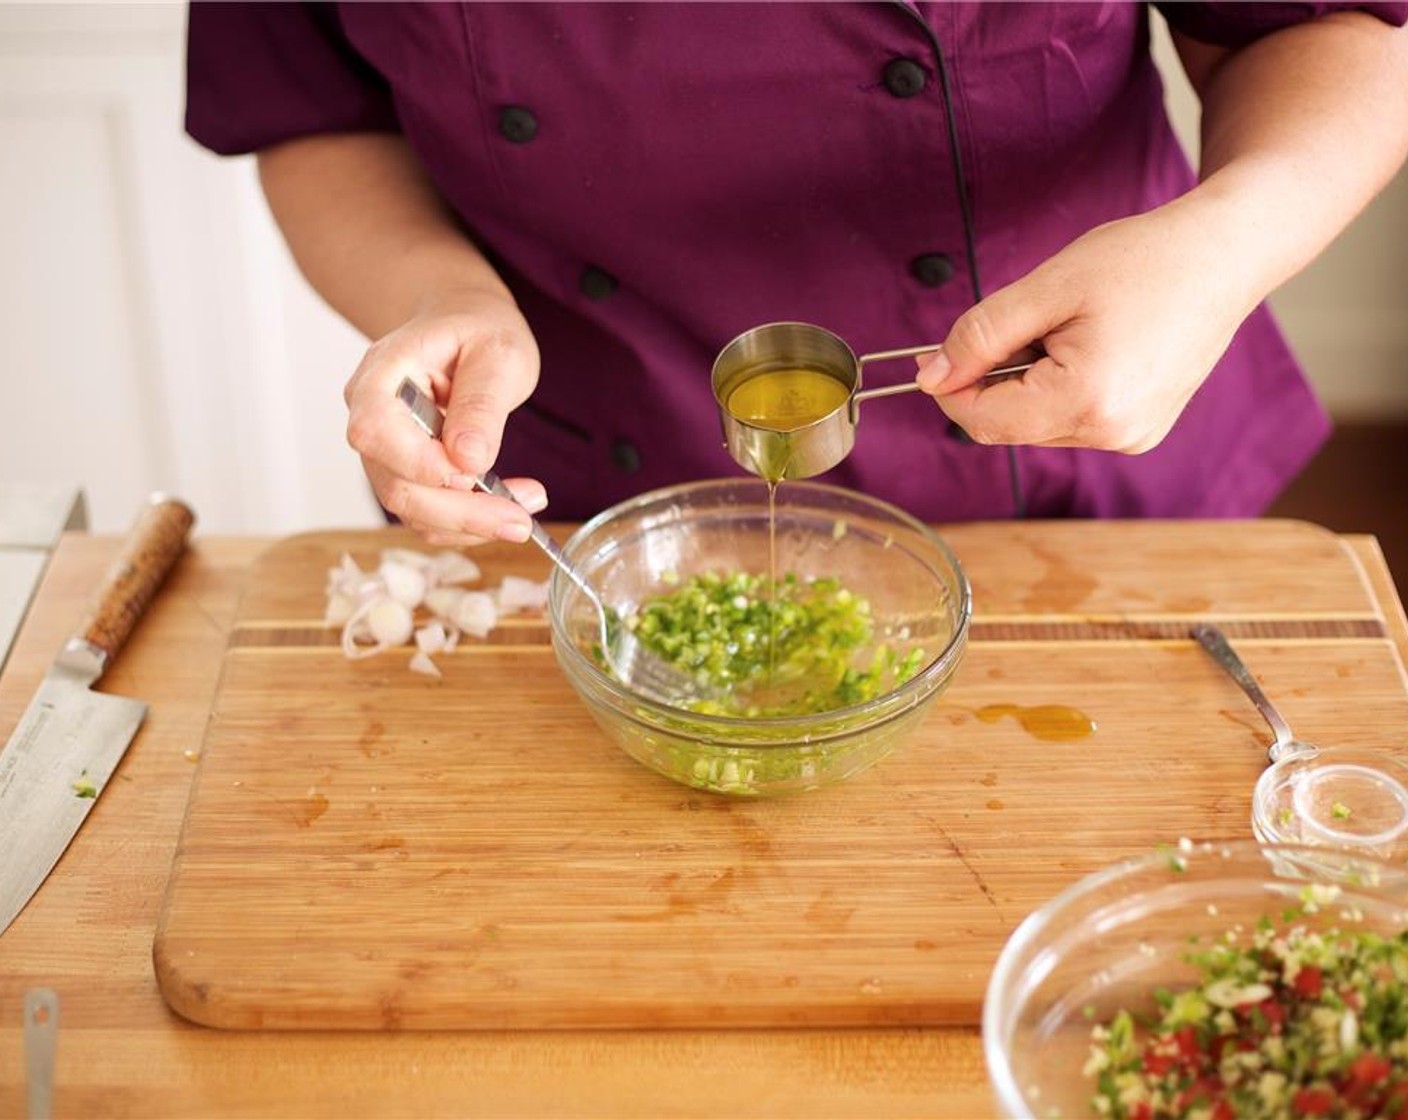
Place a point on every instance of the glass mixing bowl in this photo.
(643, 548)
(1116, 937)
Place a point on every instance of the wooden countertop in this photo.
(88, 934)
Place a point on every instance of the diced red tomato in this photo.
(1308, 982)
(1361, 1084)
(1318, 1101)
(1185, 1041)
(1369, 1069)
(1395, 1103)
(1274, 1013)
(1179, 1050)
(1206, 1090)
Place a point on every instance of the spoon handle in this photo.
(1215, 642)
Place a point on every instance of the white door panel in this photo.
(159, 334)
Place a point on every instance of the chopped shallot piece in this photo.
(519, 594)
(476, 613)
(441, 601)
(406, 556)
(388, 606)
(453, 567)
(340, 608)
(390, 622)
(357, 640)
(404, 583)
(433, 637)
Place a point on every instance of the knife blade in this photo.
(70, 739)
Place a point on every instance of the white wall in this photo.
(158, 336)
(1346, 315)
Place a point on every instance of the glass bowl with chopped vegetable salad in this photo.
(820, 624)
(1209, 982)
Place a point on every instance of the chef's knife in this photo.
(71, 738)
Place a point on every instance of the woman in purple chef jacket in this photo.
(554, 216)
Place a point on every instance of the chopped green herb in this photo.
(85, 788)
(793, 649)
(1340, 811)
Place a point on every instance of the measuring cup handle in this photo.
(885, 390)
(891, 355)
(1020, 362)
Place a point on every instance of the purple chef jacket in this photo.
(653, 179)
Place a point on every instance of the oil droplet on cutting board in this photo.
(311, 808)
(1054, 723)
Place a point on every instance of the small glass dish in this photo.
(1117, 937)
(1348, 797)
(918, 595)
(1345, 797)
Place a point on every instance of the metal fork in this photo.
(630, 662)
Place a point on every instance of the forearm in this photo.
(368, 229)
(1300, 130)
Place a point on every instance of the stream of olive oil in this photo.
(783, 400)
(772, 576)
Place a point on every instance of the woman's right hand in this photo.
(474, 354)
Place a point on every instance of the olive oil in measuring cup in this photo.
(783, 400)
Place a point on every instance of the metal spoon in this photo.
(1215, 642)
(631, 663)
(1344, 797)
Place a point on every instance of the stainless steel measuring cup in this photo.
(813, 427)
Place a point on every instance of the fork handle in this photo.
(491, 483)
(428, 415)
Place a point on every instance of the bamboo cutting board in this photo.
(366, 847)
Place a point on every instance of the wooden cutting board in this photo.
(366, 847)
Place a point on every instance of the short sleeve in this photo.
(1237, 24)
(260, 73)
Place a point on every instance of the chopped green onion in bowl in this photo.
(787, 648)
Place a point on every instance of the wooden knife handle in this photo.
(130, 584)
